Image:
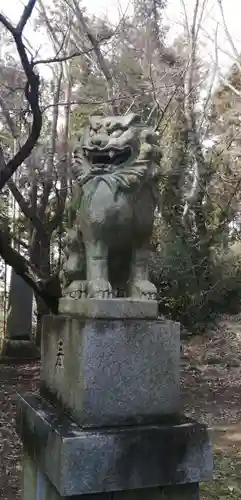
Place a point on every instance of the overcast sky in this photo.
(174, 19)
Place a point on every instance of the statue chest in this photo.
(115, 216)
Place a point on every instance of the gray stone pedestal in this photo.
(111, 371)
(37, 486)
(63, 460)
(107, 422)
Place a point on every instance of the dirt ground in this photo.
(211, 392)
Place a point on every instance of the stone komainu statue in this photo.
(116, 170)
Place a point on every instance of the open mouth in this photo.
(107, 157)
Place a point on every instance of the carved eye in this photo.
(116, 133)
(109, 128)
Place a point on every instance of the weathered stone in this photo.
(19, 324)
(117, 171)
(21, 350)
(106, 372)
(37, 486)
(80, 461)
(109, 308)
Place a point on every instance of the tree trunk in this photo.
(40, 257)
(42, 310)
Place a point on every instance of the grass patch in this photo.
(226, 483)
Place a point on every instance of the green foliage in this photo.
(193, 291)
(227, 475)
(176, 270)
(226, 293)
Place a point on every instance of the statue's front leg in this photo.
(140, 286)
(97, 270)
(73, 268)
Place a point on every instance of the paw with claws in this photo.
(76, 290)
(143, 289)
(99, 289)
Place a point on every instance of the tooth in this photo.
(111, 153)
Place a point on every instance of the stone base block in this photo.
(37, 486)
(112, 308)
(111, 372)
(77, 461)
(19, 350)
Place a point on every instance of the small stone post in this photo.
(18, 343)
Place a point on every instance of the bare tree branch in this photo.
(77, 53)
(210, 89)
(194, 200)
(24, 206)
(229, 85)
(47, 287)
(99, 56)
(51, 31)
(10, 122)
(7, 24)
(222, 78)
(229, 37)
(31, 93)
(28, 9)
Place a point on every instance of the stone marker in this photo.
(107, 422)
(18, 342)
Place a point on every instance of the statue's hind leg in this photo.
(139, 286)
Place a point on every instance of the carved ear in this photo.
(150, 136)
(95, 121)
(130, 120)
